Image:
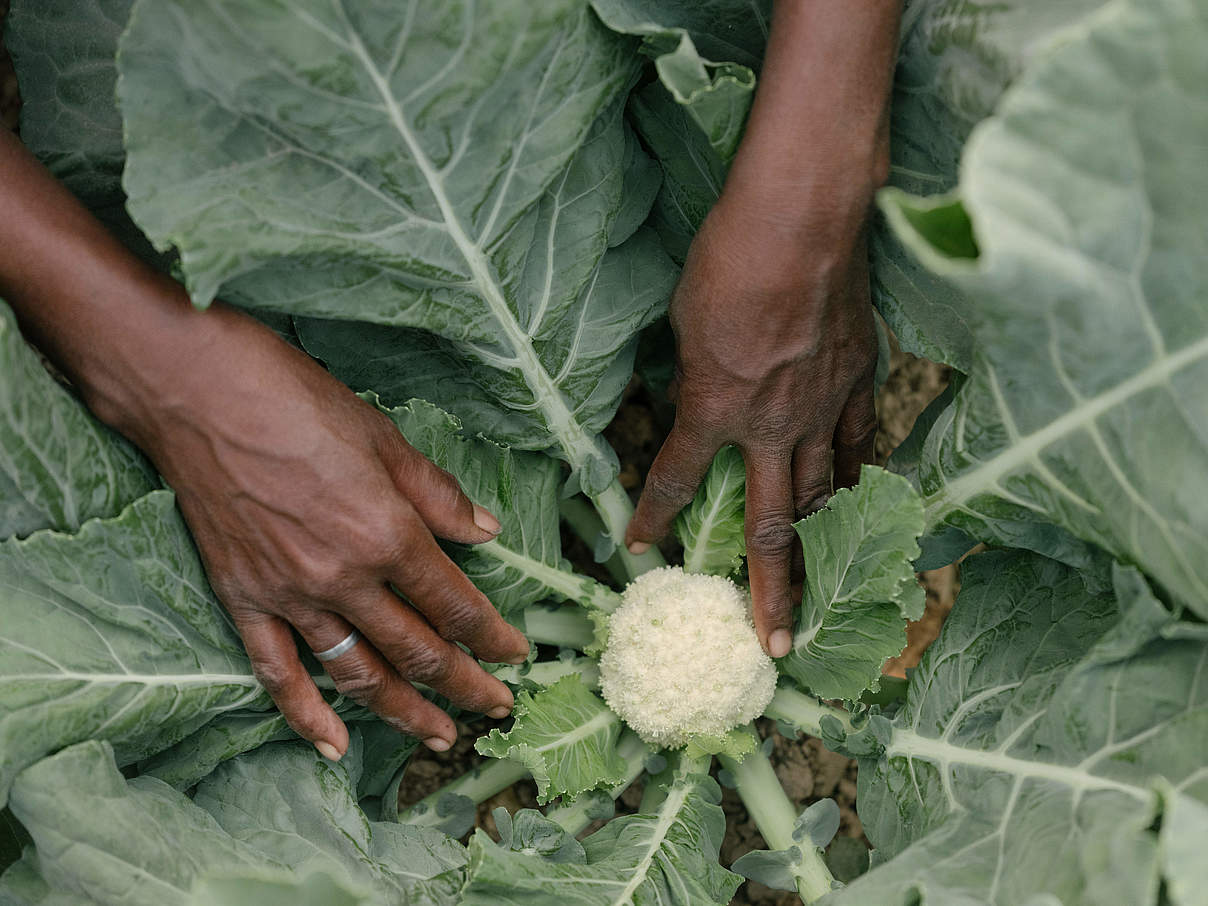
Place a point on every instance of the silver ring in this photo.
(345, 644)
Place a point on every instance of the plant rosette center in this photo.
(682, 659)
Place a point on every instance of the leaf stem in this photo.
(615, 510)
(585, 522)
(775, 816)
(568, 627)
(804, 711)
(478, 785)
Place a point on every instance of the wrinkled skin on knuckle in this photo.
(771, 536)
(462, 619)
(275, 674)
(424, 664)
(361, 682)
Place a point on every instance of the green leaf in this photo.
(711, 527)
(416, 171)
(58, 465)
(63, 52)
(1086, 196)
(227, 735)
(105, 840)
(669, 856)
(298, 808)
(860, 587)
(1024, 762)
(693, 172)
(954, 62)
(315, 889)
(113, 634)
(565, 736)
(523, 564)
(282, 808)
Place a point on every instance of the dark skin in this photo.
(776, 344)
(310, 510)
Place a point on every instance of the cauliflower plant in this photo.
(682, 658)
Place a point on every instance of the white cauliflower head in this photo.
(683, 659)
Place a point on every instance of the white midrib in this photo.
(575, 442)
(575, 588)
(913, 745)
(600, 721)
(668, 813)
(151, 679)
(694, 562)
(1028, 448)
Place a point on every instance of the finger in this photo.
(855, 437)
(419, 655)
(811, 477)
(274, 655)
(454, 607)
(770, 539)
(674, 477)
(362, 674)
(438, 498)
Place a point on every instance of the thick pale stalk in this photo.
(775, 817)
(477, 785)
(568, 627)
(615, 510)
(803, 711)
(585, 522)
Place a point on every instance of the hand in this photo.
(776, 351)
(307, 505)
(309, 509)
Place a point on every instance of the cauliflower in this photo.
(682, 658)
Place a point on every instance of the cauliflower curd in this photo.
(683, 659)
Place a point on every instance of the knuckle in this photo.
(425, 664)
(323, 578)
(770, 535)
(360, 682)
(274, 674)
(462, 620)
(858, 432)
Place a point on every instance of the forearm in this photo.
(818, 130)
(111, 323)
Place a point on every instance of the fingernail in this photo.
(486, 521)
(637, 548)
(437, 744)
(328, 751)
(499, 713)
(518, 658)
(779, 643)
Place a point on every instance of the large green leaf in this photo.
(859, 588)
(282, 809)
(113, 634)
(1085, 196)
(706, 54)
(63, 52)
(1045, 736)
(666, 857)
(299, 809)
(58, 465)
(566, 738)
(523, 564)
(103, 841)
(711, 527)
(956, 57)
(585, 283)
(413, 168)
